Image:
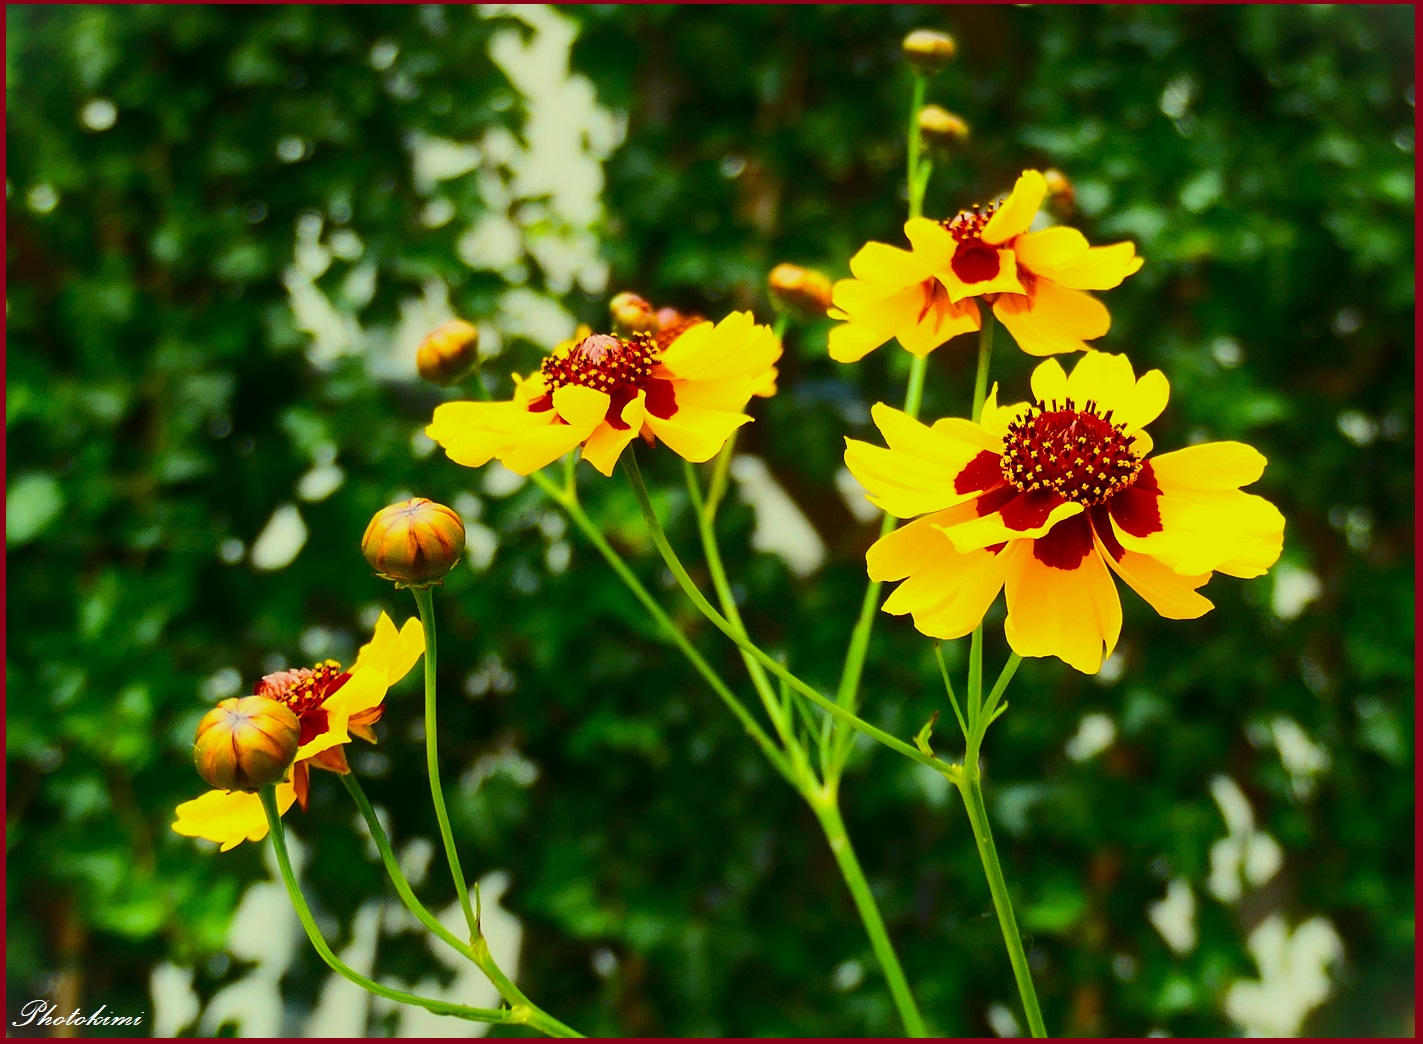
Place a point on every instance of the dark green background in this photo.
(159, 403)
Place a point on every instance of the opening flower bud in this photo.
(940, 128)
(246, 744)
(632, 315)
(928, 50)
(414, 543)
(803, 291)
(448, 354)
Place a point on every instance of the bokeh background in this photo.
(229, 227)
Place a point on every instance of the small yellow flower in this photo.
(331, 706)
(685, 385)
(1034, 281)
(1048, 500)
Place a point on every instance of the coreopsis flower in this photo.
(1033, 281)
(1048, 500)
(246, 744)
(332, 706)
(685, 385)
(414, 543)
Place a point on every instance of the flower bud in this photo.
(246, 744)
(940, 128)
(631, 314)
(1059, 190)
(803, 291)
(928, 50)
(414, 543)
(448, 354)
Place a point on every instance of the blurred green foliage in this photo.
(161, 406)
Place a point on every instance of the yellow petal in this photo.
(1100, 268)
(382, 662)
(949, 593)
(1073, 614)
(885, 265)
(1044, 252)
(1210, 465)
(607, 443)
(1005, 282)
(990, 529)
(229, 818)
(1152, 393)
(696, 434)
(931, 241)
(939, 322)
(1053, 320)
(913, 547)
(538, 447)
(473, 433)
(735, 347)
(1172, 595)
(1106, 379)
(952, 441)
(1018, 210)
(1049, 382)
(1224, 531)
(334, 735)
(581, 407)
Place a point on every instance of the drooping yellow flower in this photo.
(1034, 281)
(332, 706)
(1048, 500)
(686, 384)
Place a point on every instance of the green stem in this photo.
(689, 587)
(985, 353)
(529, 1014)
(670, 629)
(972, 791)
(916, 184)
(827, 810)
(308, 922)
(432, 758)
(774, 708)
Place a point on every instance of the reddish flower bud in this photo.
(246, 744)
(449, 353)
(414, 543)
(801, 290)
(941, 128)
(631, 315)
(1059, 191)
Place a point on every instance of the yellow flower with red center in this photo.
(332, 706)
(1034, 281)
(687, 385)
(1046, 501)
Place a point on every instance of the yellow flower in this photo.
(896, 293)
(332, 706)
(685, 385)
(1034, 281)
(1045, 499)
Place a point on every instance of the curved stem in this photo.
(689, 587)
(972, 791)
(827, 810)
(670, 629)
(527, 1013)
(915, 181)
(308, 922)
(432, 759)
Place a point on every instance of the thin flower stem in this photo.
(670, 629)
(425, 603)
(308, 922)
(827, 810)
(949, 688)
(526, 1013)
(972, 791)
(716, 489)
(915, 183)
(985, 354)
(822, 798)
(689, 587)
(784, 724)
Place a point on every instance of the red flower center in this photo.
(1078, 454)
(619, 367)
(303, 689)
(974, 261)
